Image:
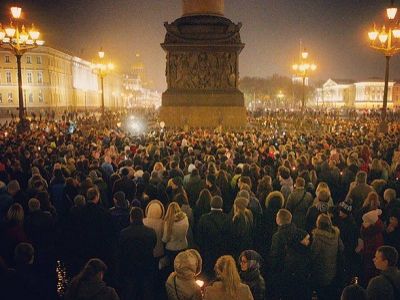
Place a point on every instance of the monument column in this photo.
(202, 68)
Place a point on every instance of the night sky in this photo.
(334, 31)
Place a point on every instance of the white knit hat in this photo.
(372, 216)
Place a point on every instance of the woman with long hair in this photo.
(176, 225)
(228, 284)
(89, 284)
(241, 228)
(13, 232)
(203, 205)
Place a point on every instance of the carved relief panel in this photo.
(201, 70)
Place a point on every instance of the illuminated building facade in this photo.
(56, 80)
(137, 90)
(362, 94)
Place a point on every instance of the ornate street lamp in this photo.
(102, 69)
(387, 41)
(17, 39)
(302, 69)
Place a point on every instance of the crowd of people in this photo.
(297, 207)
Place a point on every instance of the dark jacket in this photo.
(380, 287)
(127, 186)
(90, 289)
(135, 250)
(211, 237)
(279, 244)
(193, 188)
(97, 234)
(255, 282)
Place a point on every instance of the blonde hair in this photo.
(15, 214)
(169, 219)
(226, 271)
(158, 166)
(372, 201)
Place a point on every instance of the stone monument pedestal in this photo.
(202, 70)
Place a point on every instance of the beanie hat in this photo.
(372, 216)
(345, 207)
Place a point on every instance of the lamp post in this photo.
(18, 40)
(102, 70)
(302, 69)
(387, 41)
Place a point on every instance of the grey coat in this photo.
(298, 206)
(324, 252)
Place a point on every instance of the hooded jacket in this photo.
(324, 252)
(181, 284)
(154, 219)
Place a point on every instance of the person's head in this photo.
(244, 193)
(94, 268)
(177, 182)
(244, 180)
(119, 200)
(93, 195)
(15, 214)
(13, 187)
(225, 270)
(240, 205)
(274, 200)
(136, 215)
(249, 261)
(187, 264)
(300, 182)
(389, 195)
(216, 202)
(385, 257)
(323, 195)
(24, 254)
(79, 201)
(361, 177)
(211, 179)
(155, 210)
(34, 204)
(181, 199)
(283, 217)
(372, 201)
(284, 172)
(354, 292)
(324, 222)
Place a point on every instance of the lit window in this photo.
(28, 60)
(39, 60)
(8, 76)
(29, 77)
(40, 77)
(30, 97)
(10, 98)
(7, 59)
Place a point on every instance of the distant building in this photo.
(54, 79)
(137, 90)
(348, 93)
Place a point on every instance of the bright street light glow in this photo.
(16, 12)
